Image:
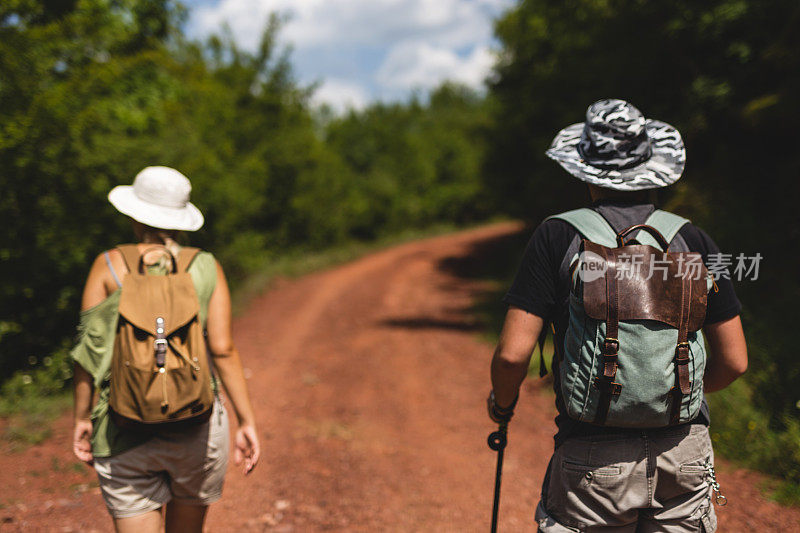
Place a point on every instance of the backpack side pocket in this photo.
(581, 349)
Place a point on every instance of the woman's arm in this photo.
(94, 292)
(82, 432)
(229, 368)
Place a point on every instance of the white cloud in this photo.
(341, 95)
(369, 22)
(420, 65)
(421, 42)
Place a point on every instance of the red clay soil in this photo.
(369, 380)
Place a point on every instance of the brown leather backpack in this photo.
(160, 370)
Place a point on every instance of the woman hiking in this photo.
(157, 435)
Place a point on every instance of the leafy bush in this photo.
(741, 432)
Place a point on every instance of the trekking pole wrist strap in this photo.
(500, 414)
(509, 409)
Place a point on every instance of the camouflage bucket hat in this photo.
(617, 148)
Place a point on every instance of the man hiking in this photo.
(632, 450)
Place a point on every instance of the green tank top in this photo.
(95, 346)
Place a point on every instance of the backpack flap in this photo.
(145, 298)
(647, 297)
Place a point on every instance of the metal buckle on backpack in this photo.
(610, 346)
(682, 353)
(604, 384)
(161, 351)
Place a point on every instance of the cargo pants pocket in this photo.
(584, 491)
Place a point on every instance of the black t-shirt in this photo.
(542, 288)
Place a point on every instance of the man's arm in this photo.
(728, 358)
(513, 354)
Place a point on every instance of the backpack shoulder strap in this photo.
(185, 257)
(668, 224)
(130, 254)
(591, 225)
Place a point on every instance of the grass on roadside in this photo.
(741, 432)
(30, 422)
(31, 399)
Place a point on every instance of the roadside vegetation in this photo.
(94, 90)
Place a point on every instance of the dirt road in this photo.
(370, 382)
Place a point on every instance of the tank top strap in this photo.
(111, 269)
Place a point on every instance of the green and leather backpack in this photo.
(633, 353)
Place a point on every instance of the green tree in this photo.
(415, 163)
(94, 90)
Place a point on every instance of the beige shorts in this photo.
(653, 482)
(186, 467)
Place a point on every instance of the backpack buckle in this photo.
(161, 352)
(610, 346)
(682, 353)
(609, 385)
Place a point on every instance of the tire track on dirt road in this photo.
(369, 382)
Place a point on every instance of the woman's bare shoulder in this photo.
(112, 255)
(101, 280)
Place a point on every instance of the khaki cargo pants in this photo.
(653, 482)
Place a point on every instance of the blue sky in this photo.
(366, 50)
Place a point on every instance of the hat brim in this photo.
(664, 167)
(187, 218)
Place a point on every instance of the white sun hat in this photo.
(159, 197)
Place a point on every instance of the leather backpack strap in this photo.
(186, 256)
(682, 385)
(131, 256)
(605, 383)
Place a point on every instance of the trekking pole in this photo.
(497, 442)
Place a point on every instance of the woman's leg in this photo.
(183, 517)
(149, 522)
